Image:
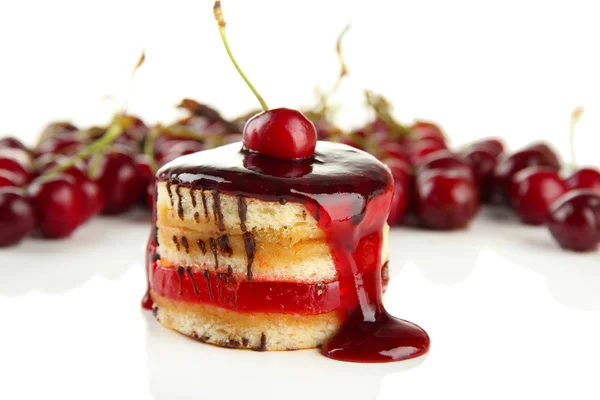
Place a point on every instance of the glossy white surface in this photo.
(510, 316)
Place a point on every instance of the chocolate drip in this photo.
(193, 198)
(225, 245)
(318, 214)
(185, 244)
(243, 212)
(215, 251)
(263, 343)
(179, 202)
(229, 270)
(180, 270)
(154, 256)
(176, 242)
(155, 235)
(169, 192)
(202, 246)
(206, 275)
(226, 281)
(245, 342)
(217, 212)
(196, 217)
(250, 245)
(283, 201)
(204, 204)
(189, 272)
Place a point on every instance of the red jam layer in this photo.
(349, 193)
(195, 285)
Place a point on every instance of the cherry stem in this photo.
(381, 106)
(576, 115)
(139, 63)
(343, 66)
(114, 130)
(218, 13)
(96, 149)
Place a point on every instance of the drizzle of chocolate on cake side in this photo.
(349, 193)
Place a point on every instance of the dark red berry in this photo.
(445, 160)
(13, 143)
(393, 150)
(18, 162)
(491, 145)
(421, 130)
(179, 148)
(402, 183)
(144, 167)
(446, 200)
(533, 190)
(574, 220)
(423, 148)
(482, 162)
(120, 182)
(17, 216)
(584, 178)
(60, 145)
(282, 133)
(59, 203)
(57, 129)
(92, 193)
(548, 152)
(509, 166)
(9, 179)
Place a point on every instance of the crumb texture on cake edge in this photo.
(257, 331)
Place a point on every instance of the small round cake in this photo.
(251, 251)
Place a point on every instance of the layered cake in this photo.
(277, 243)
(256, 252)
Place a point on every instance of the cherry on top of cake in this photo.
(279, 156)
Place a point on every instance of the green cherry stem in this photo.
(343, 66)
(97, 148)
(576, 115)
(218, 13)
(113, 132)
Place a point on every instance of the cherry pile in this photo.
(435, 187)
(42, 194)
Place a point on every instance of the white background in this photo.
(513, 68)
(510, 315)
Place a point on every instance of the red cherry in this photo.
(179, 148)
(424, 148)
(509, 166)
(548, 152)
(445, 160)
(491, 145)
(149, 195)
(281, 133)
(393, 150)
(9, 179)
(18, 162)
(13, 143)
(17, 216)
(120, 182)
(59, 203)
(144, 167)
(423, 129)
(92, 193)
(574, 220)
(482, 162)
(401, 172)
(584, 178)
(446, 200)
(533, 190)
(58, 129)
(60, 145)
